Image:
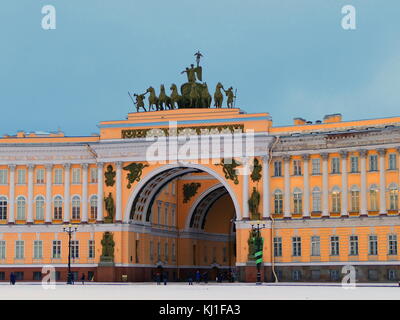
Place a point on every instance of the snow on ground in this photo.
(213, 291)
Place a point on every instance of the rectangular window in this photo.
(297, 203)
(166, 251)
(353, 164)
(278, 168)
(58, 176)
(296, 246)
(40, 176)
(335, 165)
(334, 245)
(93, 175)
(3, 176)
(74, 249)
(91, 252)
(392, 250)
(21, 176)
(278, 202)
(355, 201)
(174, 252)
(373, 162)
(76, 175)
(137, 251)
(392, 161)
(316, 201)
(297, 167)
(56, 250)
(166, 216)
(19, 249)
(373, 245)
(315, 245)
(2, 249)
(37, 249)
(353, 246)
(316, 166)
(151, 251)
(278, 247)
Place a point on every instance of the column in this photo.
(306, 186)
(84, 193)
(363, 169)
(49, 169)
(345, 195)
(266, 188)
(286, 196)
(382, 182)
(11, 195)
(29, 219)
(325, 185)
(100, 192)
(67, 197)
(245, 190)
(118, 205)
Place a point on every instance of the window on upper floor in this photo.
(39, 207)
(21, 176)
(297, 201)
(76, 208)
(21, 208)
(3, 208)
(334, 246)
(354, 164)
(393, 197)
(373, 245)
(296, 246)
(93, 175)
(58, 205)
(58, 176)
(335, 165)
(278, 246)
(39, 176)
(315, 245)
(3, 176)
(336, 205)
(353, 245)
(392, 161)
(373, 198)
(93, 207)
(278, 168)
(392, 244)
(278, 201)
(37, 249)
(316, 199)
(297, 168)
(316, 166)
(76, 175)
(373, 162)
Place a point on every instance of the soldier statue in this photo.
(198, 56)
(231, 96)
(140, 101)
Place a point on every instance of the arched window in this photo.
(93, 207)
(39, 208)
(393, 197)
(58, 207)
(316, 199)
(336, 199)
(355, 199)
(3, 208)
(278, 201)
(76, 208)
(373, 197)
(21, 208)
(297, 201)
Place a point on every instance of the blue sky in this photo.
(290, 58)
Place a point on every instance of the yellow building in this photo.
(329, 198)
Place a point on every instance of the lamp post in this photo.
(259, 249)
(70, 230)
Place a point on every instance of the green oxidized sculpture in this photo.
(257, 168)
(110, 208)
(135, 172)
(255, 244)
(109, 175)
(231, 96)
(218, 97)
(107, 244)
(189, 190)
(140, 101)
(230, 170)
(254, 203)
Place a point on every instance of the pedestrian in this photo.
(83, 278)
(165, 278)
(198, 276)
(158, 278)
(190, 280)
(12, 278)
(205, 277)
(72, 278)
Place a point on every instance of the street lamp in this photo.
(70, 230)
(259, 248)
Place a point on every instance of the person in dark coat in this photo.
(198, 276)
(190, 280)
(83, 278)
(205, 277)
(12, 278)
(158, 278)
(165, 278)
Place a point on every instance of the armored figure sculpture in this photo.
(140, 101)
(231, 96)
(198, 56)
(107, 244)
(110, 208)
(254, 202)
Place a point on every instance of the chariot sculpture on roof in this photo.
(194, 93)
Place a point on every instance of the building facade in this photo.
(328, 198)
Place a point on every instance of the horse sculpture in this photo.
(164, 101)
(205, 97)
(175, 97)
(193, 96)
(218, 97)
(153, 100)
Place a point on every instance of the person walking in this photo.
(165, 278)
(190, 280)
(83, 278)
(205, 277)
(198, 276)
(12, 278)
(158, 277)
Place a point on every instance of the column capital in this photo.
(286, 157)
(31, 166)
(363, 152)
(325, 155)
(265, 157)
(85, 165)
(306, 157)
(381, 151)
(119, 164)
(67, 166)
(12, 167)
(48, 166)
(100, 165)
(344, 154)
